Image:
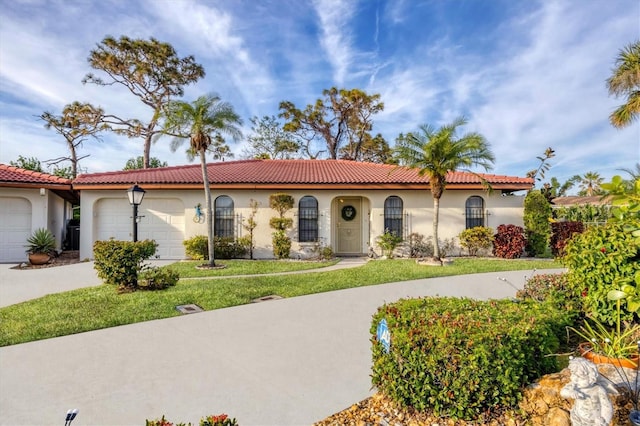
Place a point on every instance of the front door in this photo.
(348, 214)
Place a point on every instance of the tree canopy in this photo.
(152, 71)
(342, 121)
(269, 140)
(138, 163)
(625, 82)
(77, 122)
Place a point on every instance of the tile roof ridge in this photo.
(34, 173)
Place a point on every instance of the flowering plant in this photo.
(219, 420)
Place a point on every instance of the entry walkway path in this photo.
(284, 362)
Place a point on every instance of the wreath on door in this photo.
(348, 213)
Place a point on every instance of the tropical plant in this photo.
(509, 241)
(251, 225)
(41, 241)
(388, 242)
(538, 174)
(590, 184)
(625, 81)
(436, 152)
(207, 117)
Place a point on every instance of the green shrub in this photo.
(476, 239)
(281, 245)
(462, 357)
(552, 288)
(419, 247)
(537, 212)
(601, 259)
(119, 262)
(197, 248)
(509, 242)
(154, 278)
(388, 243)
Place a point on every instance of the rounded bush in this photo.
(460, 357)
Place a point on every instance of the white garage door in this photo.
(163, 222)
(15, 228)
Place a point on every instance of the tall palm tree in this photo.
(625, 81)
(590, 184)
(202, 122)
(435, 152)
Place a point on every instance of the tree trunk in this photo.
(436, 215)
(209, 205)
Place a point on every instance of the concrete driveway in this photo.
(283, 362)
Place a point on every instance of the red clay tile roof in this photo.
(288, 174)
(16, 175)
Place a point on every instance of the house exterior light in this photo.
(135, 194)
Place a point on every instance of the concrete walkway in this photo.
(284, 362)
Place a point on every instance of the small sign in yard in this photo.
(383, 335)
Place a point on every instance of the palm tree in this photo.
(625, 81)
(202, 122)
(590, 184)
(435, 152)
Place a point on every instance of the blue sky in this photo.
(527, 74)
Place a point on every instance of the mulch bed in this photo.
(64, 258)
(379, 410)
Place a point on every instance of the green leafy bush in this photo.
(537, 212)
(476, 239)
(281, 245)
(561, 232)
(509, 242)
(388, 243)
(154, 278)
(552, 288)
(197, 247)
(119, 262)
(462, 357)
(602, 259)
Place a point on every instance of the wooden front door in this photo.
(348, 213)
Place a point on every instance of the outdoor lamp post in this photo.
(135, 194)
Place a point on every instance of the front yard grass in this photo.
(101, 307)
(186, 269)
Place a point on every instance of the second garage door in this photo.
(163, 222)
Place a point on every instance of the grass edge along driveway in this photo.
(100, 307)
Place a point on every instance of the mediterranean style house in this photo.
(30, 200)
(341, 204)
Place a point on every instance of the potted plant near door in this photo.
(41, 245)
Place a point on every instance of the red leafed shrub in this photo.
(509, 242)
(561, 232)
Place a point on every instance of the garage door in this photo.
(15, 228)
(163, 222)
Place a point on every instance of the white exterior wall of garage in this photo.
(168, 216)
(22, 211)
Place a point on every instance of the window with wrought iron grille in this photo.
(223, 224)
(474, 212)
(307, 219)
(393, 215)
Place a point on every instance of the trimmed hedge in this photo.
(118, 262)
(460, 358)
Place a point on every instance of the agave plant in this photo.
(41, 241)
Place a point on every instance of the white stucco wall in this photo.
(47, 210)
(418, 206)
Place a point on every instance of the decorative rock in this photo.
(558, 417)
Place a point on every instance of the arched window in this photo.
(307, 219)
(223, 225)
(474, 212)
(393, 215)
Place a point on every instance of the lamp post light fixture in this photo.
(135, 194)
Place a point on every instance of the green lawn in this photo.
(187, 269)
(101, 307)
